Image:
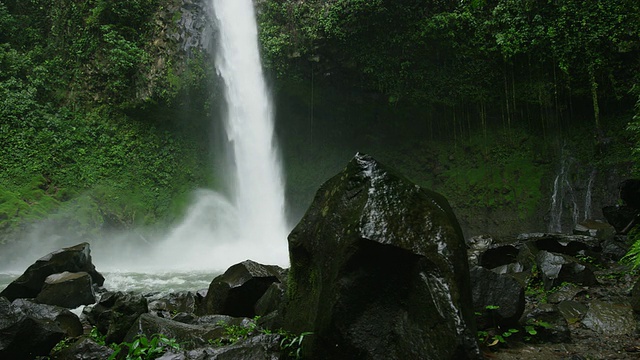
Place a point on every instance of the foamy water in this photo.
(143, 282)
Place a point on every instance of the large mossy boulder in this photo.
(72, 259)
(379, 271)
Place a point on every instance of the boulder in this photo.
(557, 268)
(610, 319)
(23, 336)
(65, 319)
(114, 314)
(564, 292)
(620, 216)
(83, 349)
(73, 259)
(271, 300)
(67, 289)
(166, 304)
(497, 256)
(476, 246)
(379, 271)
(188, 335)
(236, 292)
(571, 245)
(614, 249)
(595, 228)
(555, 329)
(499, 299)
(572, 311)
(263, 347)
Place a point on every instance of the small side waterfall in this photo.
(568, 187)
(589, 195)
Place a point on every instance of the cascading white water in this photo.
(219, 230)
(258, 194)
(588, 195)
(250, 224)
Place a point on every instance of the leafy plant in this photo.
(143, 348)
(632, 258)
(533, 326)
(95, 335)
(291, 344)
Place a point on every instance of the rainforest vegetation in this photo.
(105, 115)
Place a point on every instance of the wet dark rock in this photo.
(72, 259)
(83, 349)
(614, 249)
(572, 311)
(555, 329)
(571, 245)
(236, 292)
(65, 319)
(635, 297)
(498, 256)
(557, 268)
(379, 271)
(23, 336)
(476, 246)
(187, 318)
(263, 347)
(595, 228)
(67, 289)
(610, 319)
(172, 303)
(114, 314)
(492, 290)
(188, 335)
(619, 217)
(564, 292)
(271, 300)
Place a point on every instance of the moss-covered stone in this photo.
(379, 270)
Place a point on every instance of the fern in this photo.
(632, 257)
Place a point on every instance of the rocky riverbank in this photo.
(380, 270)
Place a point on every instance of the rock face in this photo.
(496, 290)
(236, 292)
(114, 314)
(191, 336)
(379, 271)
(67, 289)
(23, 336)
(72, 259)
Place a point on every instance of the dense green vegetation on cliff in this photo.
(104, 112)
(479, 99)
(542, 63)
(91, 122)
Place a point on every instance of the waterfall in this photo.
(555, 222)
(570, 185)
(563, 196)
(588, 195)
(248, 223)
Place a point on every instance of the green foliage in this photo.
(143, 348)
(235, 333)
(95, 335)
(533, 326)
(632, 258)
(292, 344)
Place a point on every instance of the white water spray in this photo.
(217, 231)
